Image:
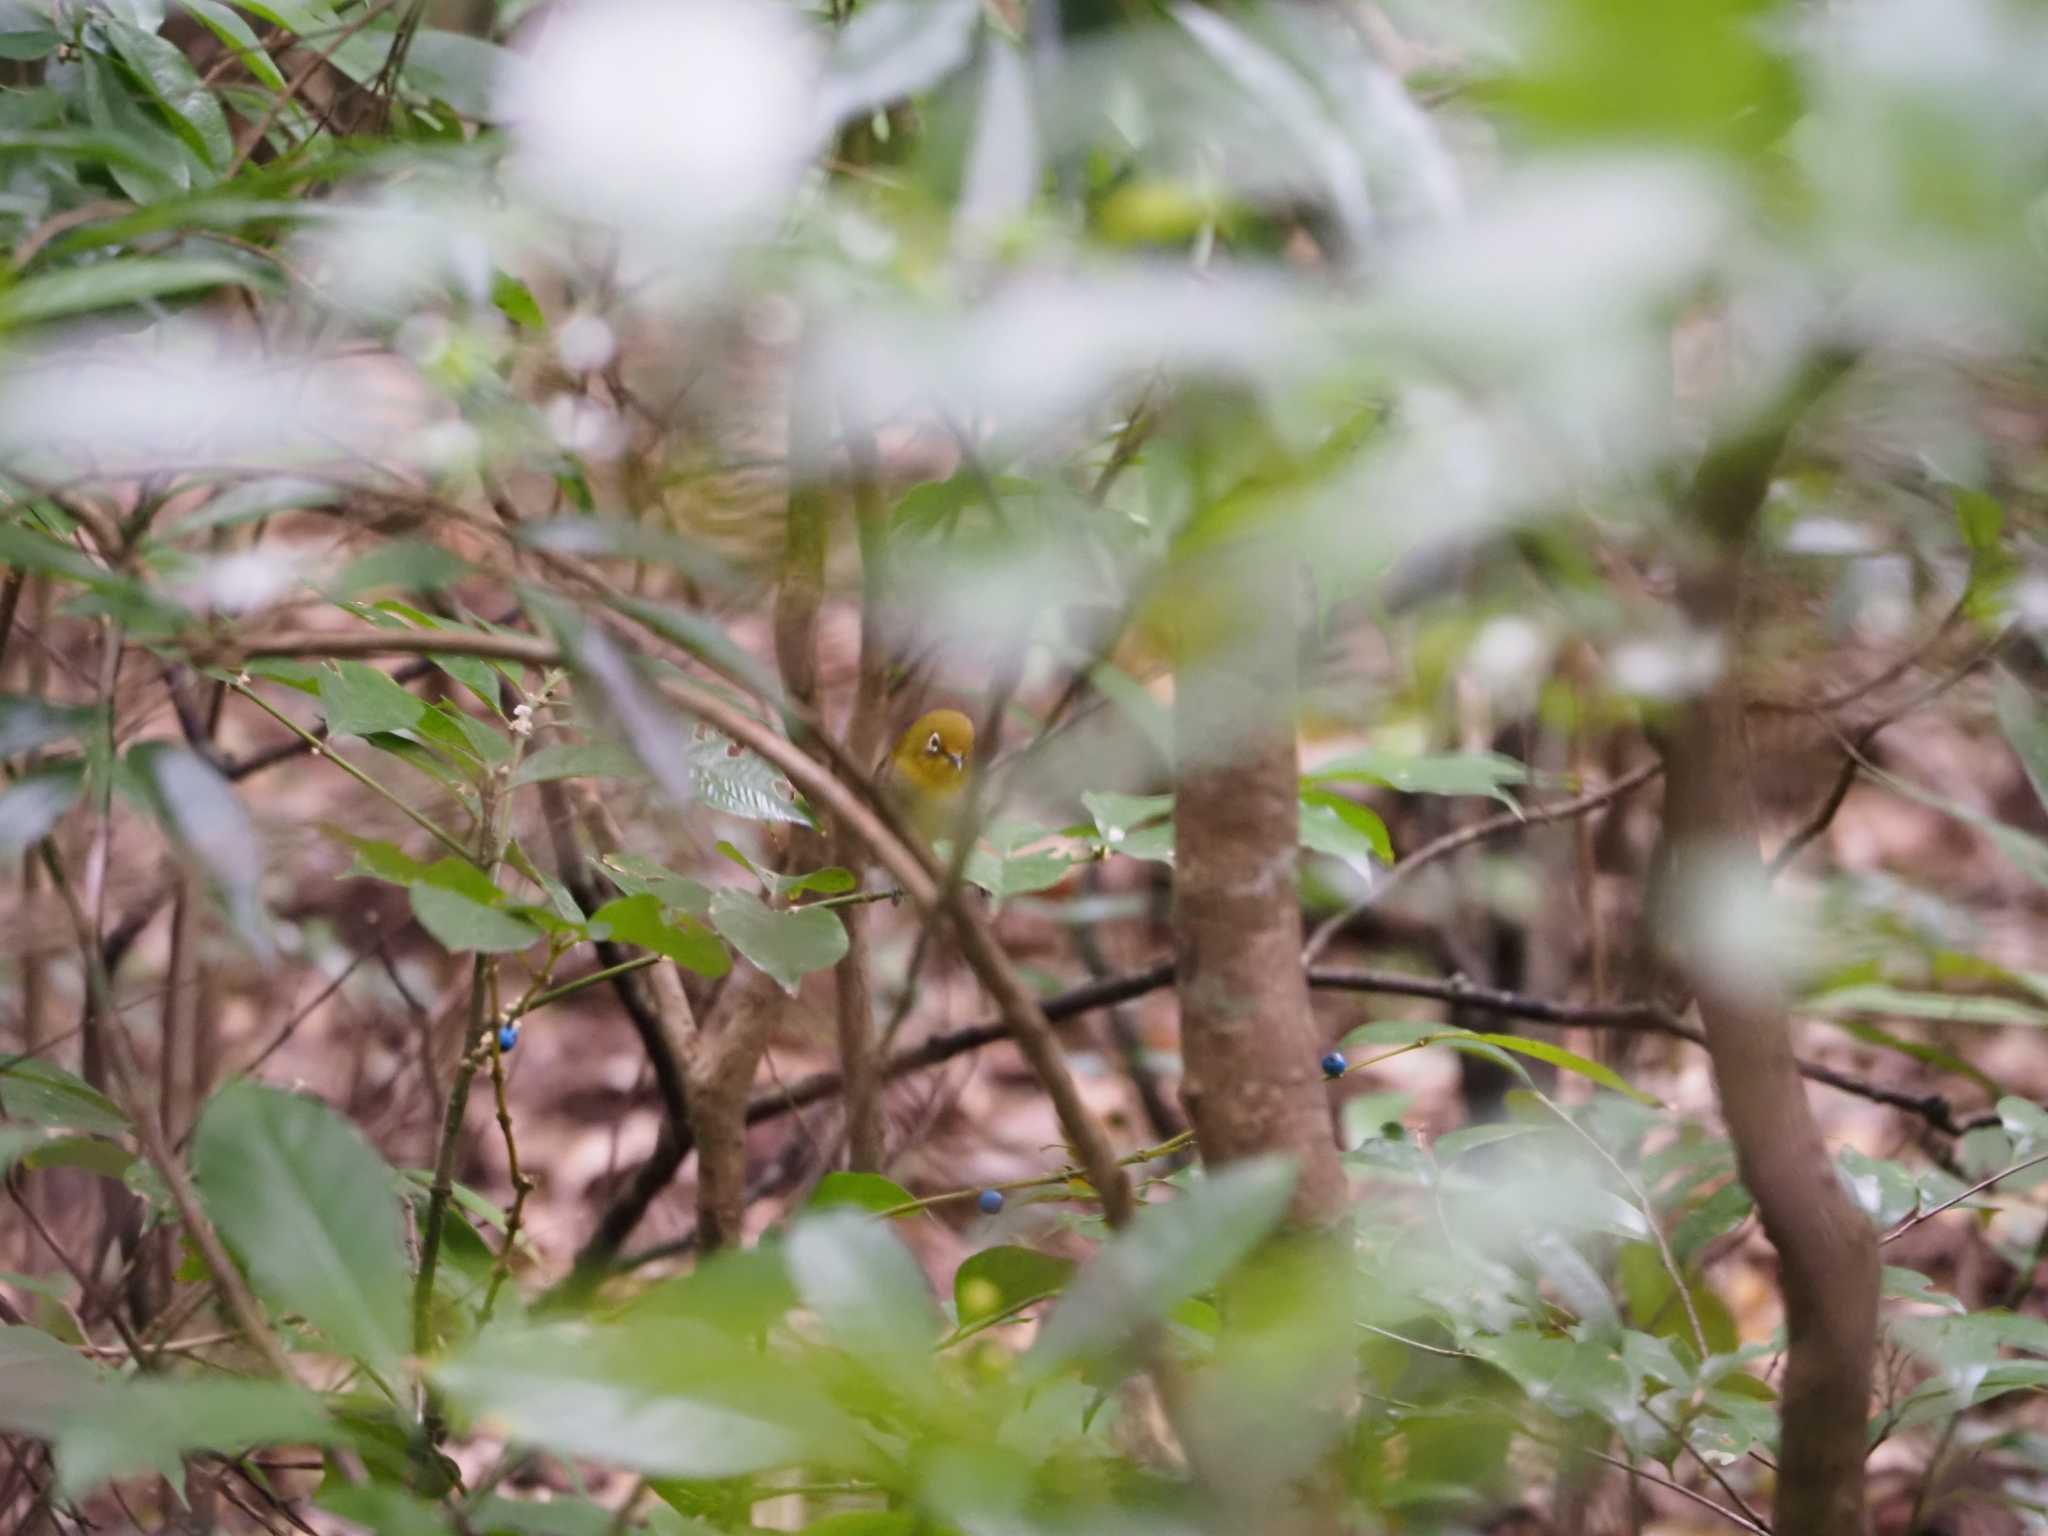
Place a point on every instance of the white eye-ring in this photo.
(933, 746)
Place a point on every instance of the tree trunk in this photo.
(1252, 1084)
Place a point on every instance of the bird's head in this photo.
(933, 752)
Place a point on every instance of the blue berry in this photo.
(508, 1036)
(1334, 1064)
(990, 1201)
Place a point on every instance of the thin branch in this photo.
(1464, 837)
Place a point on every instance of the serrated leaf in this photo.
(786, 945)
(306, 1203)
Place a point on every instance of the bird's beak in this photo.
(957, 759)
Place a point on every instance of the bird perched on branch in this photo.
(927, 771)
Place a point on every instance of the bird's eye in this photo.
(933, 746)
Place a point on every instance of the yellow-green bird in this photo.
(927, 772)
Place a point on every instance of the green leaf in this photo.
(1168, 1254)
(44, 1384)
(1022, 874)
(379, 1507)
(788, 946)
(854, 1274)
(146, 1424)
(114, 283)
(408, 564)
(169, 76)
(377, 859)
(17, 1141)
(1462, 773)
(634, 873)
(456, 68)
(638, 920)
(462, 925)
(516, 302)
(1980, 519)
(93, 1154)
(359, 700)
(42, 1094)
(306, 1203)
(1569, 1061)
(29, 725)
(227, 25)
(579, 760)
(664, 1396)
(613, 679)
(740, 783)
(863, 1191)
(36, 802)
(830, 881)
(1343, 828)
(1948, 1007)
(1000, 1281)
(211, 827)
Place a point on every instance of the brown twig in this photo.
(1464, 837)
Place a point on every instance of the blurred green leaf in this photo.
(307, 1205)
(854, 1274)
(660, 1395)
(1462, 773)
(147, 1424)
(108, 1159)
(35, 803)
(1169, 1253)
(407, 564)
(211, 827)
(786, 945)
(578, 760)
(1948, 1007)
(29, 725)
(43, 1094)
(115, 283)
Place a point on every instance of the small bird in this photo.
(927, 772)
